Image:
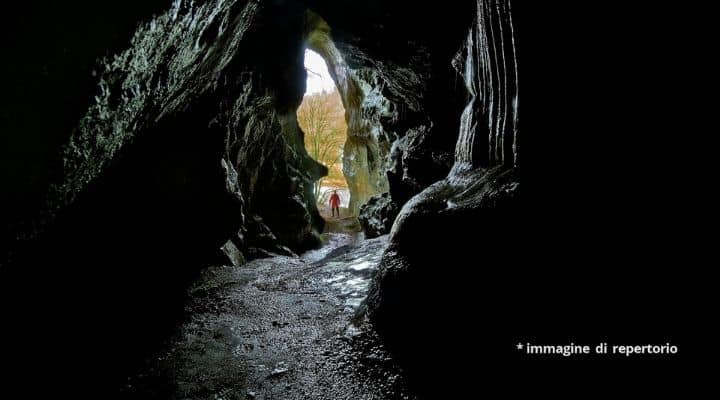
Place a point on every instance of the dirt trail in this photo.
(278, 328)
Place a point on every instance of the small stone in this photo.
(280, 369)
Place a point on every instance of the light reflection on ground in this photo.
(351, 269)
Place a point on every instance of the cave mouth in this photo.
(322, 118)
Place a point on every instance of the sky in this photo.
(315, 84)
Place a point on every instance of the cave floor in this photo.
(278, 328)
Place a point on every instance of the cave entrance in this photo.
(321, 116)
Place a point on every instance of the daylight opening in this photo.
(322, 117)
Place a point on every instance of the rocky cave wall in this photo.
(192, 141)
(189, 143)
(473, 209)
(189, 60)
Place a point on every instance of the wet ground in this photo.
(278, 328)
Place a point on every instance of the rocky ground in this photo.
(278, 328)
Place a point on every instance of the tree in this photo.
(322, 117)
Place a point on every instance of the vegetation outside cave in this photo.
(322, 118)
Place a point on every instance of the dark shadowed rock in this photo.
(378, 215)
(188, 140)
(454, 236)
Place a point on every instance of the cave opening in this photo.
(321, 116)
(366, 149)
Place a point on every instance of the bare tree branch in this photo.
(322, 118)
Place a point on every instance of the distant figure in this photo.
(335, 203)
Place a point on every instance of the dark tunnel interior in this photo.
(502, 161)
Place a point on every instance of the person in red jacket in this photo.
(335, 203)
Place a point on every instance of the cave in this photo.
(164, 230)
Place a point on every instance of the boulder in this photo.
(378, 215)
